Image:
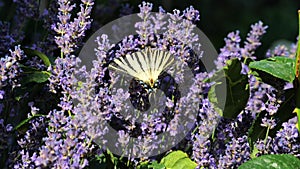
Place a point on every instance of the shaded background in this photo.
(219, 17)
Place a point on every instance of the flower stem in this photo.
(297, 78)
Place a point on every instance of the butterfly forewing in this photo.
(123, 66)
(144, 61)
(166, 61)
(133, 62)
(145, 65)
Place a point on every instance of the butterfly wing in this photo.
(143, 65)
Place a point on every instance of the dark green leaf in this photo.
(143, 165)
(30, 52)
(280, 67)
(24, 122)
(267, 78)
(285, 111)
(100, 161)
(33, 90)
(27, 69)
(178, 160)
(237, 89)
(37, 76)
(273, 161)
(256, 131)
(236, 86)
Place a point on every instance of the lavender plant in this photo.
(57, 113)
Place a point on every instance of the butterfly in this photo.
(145, 65)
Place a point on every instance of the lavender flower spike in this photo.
(71, 32)
(253, 39)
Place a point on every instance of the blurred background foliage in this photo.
(218, 17)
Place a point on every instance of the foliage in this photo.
(272, 161)
(46, 109)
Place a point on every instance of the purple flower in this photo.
(279, 50)
(2, 93)
(286, 141)
(70, 32)
(61, 75)
(66, 144)
(230, 50)
(201, 152)
(31, 141)
(36, 62)
(191, 14)
(10, 70)
(145, 9)
(262, 97)
(232, 47)
(269, 123)
(101, 103)
(253, 39)
(237, 152)
(28, 8)
(169, 103)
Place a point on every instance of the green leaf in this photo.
(213, 97)
(237, 89)
(143, 165)
(100, 161)
(31, 52)
(297, 111)
(282, 59)
(156, 165)
(236, 86)
(36, 76)
(152, 165)
(273, 161)
(280, 67)
(178, 160)
(27, 69)
(254, 152)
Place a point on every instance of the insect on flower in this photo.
(145, 65)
